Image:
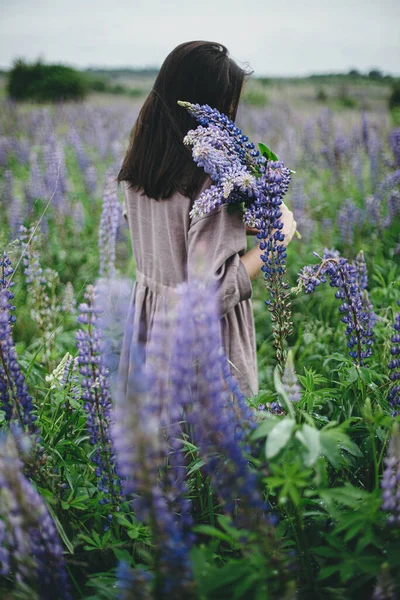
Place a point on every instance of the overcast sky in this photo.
(276, 37)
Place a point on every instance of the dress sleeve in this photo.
(217, 241)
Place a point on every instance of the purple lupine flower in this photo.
(394, 366)
(96, 394)
(385, 588)
(42, 284)
(290, 381)
(349, 216)
(91, 179)
(4, 151)
(374, 152)
(344, 276)
(393, 208)
(15, 399)
(394, 141)
(142, 450)
(206, 115)
(365, 130)
(110, 218)
(12, 204)
(56, 176)
(31, 550)
(133, 584)
(362, 282)
(216, 416)
(391, 479)
(75, 141)
(243, 175)
(36, 188)
(78, 216)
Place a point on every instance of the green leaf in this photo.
(265, 151)
(281, 390)
(213, 532)
(265, 428)
(279, 437)
(310, 438)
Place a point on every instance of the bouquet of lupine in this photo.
(255, 182)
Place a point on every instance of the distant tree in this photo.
(375, 74)
(354, 73)
(394, 98)
(45, 83)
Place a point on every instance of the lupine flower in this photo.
(96, 394)
(346, 278)
(393, 208)
(394, 140)
(348, 217)
(56, 176)
(69, 301)
(362, 282)
(6, 272)
(385, 588)
(216, 414)
(15, 399)
(12, 204)
(290, 381)
(42, 285)
(142, 450)
(134, 584)
(391, 479)
(374, 151)
(36, 188)
(241, 174)
(110, 218)
(75, 140)
(30, 548)
(90, 178)
(394, 366)
(365, 130)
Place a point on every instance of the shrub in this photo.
(45, 83)
(394, 98)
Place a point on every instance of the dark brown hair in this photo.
(157, 161)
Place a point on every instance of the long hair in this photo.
(157, 162)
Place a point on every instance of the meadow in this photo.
(293, 493)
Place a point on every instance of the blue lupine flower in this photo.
(217, 415)
(96, 394)
(290, 381)
(362, 282)
(31, 550)
(345, 277)
(391, 480)
(394, 140)
(242, 175)
(141, 441)
(133, 584)
(394, 366)
(109, 222)
(15, 399)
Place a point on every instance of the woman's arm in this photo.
(215, 244)
(252, 260)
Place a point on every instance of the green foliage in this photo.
(394, 98)
(45, 83)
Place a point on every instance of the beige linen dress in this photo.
(167, 245)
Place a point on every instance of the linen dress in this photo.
(167, 246)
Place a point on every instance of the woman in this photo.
(160, 183)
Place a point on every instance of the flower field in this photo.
(172, 485)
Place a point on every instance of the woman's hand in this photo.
(289, 225)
